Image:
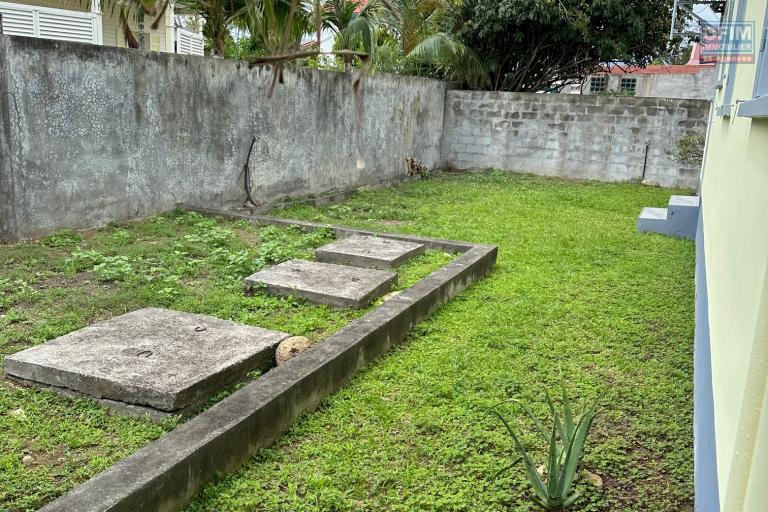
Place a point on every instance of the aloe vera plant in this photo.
(566, 440)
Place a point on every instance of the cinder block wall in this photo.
(608, 138)
(93, 134)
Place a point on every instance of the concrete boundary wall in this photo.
(608, 138)
(166, 474)
(92, 134)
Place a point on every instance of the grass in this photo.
(577, 288)
(69, 280)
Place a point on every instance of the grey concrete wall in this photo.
(606, 138)
(93, 134)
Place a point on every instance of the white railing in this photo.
(189, 43)
(48, 23)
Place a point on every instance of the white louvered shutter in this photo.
(66, 26)
(18, 20)
(189, 43)
(47, 23)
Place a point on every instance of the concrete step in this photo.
(652, 220)
(678, 219)
(684, 203)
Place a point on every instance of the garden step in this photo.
(678, 219)
(323, 283)
(152, 360)
(368, 252)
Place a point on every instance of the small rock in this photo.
(27, 460)
(290, 348)
(591, 478)
(19, 413)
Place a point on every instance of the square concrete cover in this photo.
(368, 252)
(154, 357)
(324, 283)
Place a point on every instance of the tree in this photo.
(277, 25)
(535, 45)
(421, 29)
(219, 16)
(355, 26)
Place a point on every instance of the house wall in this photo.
(735, 226)
(112, 34)
(591, 137)
(93, 134)
(699, 85)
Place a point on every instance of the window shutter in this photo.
(18, 21)
(47, 23)
(189, 43)
(64, 26)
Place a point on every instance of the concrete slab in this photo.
(368, 252)
(323, 283)
(158, 358)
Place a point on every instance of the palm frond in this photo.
(444, 50)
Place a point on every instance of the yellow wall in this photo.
(112, 35)
(735, 207)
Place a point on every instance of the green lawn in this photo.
(69, 280)
(575, 288)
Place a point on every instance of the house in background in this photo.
(693, 80)
(76, 20)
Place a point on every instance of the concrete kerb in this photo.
(166, 474)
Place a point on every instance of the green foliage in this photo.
(219, 16)
(267, 21)
(565, 441)
(81, 260)
(535, 45)
(65, 238)
(113, 268)
(690, 149)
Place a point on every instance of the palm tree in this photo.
(270, 23)
(219, 16)
(354, 25)
(424, 29)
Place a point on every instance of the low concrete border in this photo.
(166, 474)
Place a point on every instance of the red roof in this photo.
(659, 69)
(695, 64)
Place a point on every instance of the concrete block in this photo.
(368, 252)
(323, 283)
(161, 359)
(678, 219)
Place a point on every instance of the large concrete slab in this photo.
(162, 359)
(368, 252)
(323, 283)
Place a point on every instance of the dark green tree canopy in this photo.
(535, 45)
